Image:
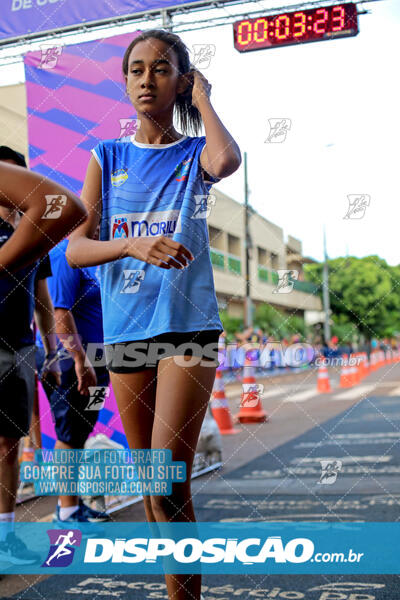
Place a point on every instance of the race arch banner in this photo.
(75, 98)
(32, 17)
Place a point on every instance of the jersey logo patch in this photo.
(120, 228)
(147, 224)
(182, 170)
(119, 177)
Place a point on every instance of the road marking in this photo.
(301, 396)
(355, 392)
(275, 391)
(395, 392)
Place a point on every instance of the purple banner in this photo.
(75, 98)
(30, 17)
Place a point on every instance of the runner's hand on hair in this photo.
(200, 86)
(160, 251)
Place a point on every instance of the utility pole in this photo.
(247, 246)
(325, 291)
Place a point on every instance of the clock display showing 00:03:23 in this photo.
(292, 28)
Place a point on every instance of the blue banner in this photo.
(216, 548)
(29, 17)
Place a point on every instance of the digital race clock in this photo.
(313, 25)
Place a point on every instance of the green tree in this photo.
(364, 292)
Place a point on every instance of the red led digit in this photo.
(242, 32)
(322, 21)
(339, 18)
(301, 24)
(264, 30)
(282, 19)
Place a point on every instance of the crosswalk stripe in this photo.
(301, 396)
(356, 392)
(395, 392)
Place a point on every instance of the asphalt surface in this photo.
(273, 472)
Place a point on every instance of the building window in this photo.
(216, 237)
(234, 245)
(262, 256)
(217, 258)
(263, 273)
(274, 261)
(234, 265)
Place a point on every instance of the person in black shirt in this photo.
(21, 292)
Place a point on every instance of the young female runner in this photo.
(145, 190)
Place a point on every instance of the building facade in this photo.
(269, 254)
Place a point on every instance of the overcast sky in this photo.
(342, 98)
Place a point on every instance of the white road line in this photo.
(269, 393)
(355, 392)
(275, 391)
(301, 396)
(395, 392)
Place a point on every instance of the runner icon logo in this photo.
(278, 129)
(286, 281)
(54, 206)
(128, 127)
(252, 393)
(330, 470)
(61, 552)
(133, 279)
(98, 395)
(203, 206)
(49, 57)
(357, 206)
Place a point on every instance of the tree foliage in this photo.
(364, 292)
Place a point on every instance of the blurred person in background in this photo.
(22, 289)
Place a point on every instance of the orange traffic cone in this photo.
(366, 364)
(220, 408)
(345, 378)
(323, 383)
(251, 410)
(353, 371)
(356, 368)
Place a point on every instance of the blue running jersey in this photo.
(151, 190)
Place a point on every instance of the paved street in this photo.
(272, 472)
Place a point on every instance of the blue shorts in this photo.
(74, 415)
(129, 357)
